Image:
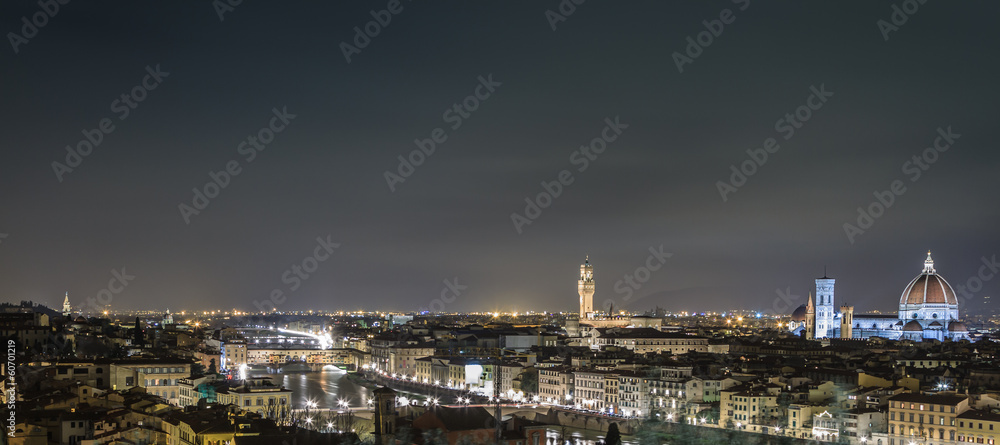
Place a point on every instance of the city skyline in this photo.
(786, 301)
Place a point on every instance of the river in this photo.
(329, 386)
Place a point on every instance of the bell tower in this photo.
(67, 307)
(846, 321)
(824, 306)
(586, 287)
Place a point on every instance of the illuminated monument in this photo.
(589, 318)
(928, 310)
(586, 287)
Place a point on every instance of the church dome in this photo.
(957, 326)
(913, 326)
(799, 314)
(928, 288)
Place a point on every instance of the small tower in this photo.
(385, 415)
(824, 306)
(810, 319)
(168, 319)
(67, 308)
(846, 321)
(586, 287)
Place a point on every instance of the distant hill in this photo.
(36, 307)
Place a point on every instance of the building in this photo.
(257, 395)
(860, 425)
(928, 310)
(555, 385)
(586, 287)
(749, 409)
(588, 389)
(234, 354)
(67, 307)
(824, 307)
(978, 427)
(159, 377)
(633, 394)
(924, 419)
(193, 389)
(646, 340)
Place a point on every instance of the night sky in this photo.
(394, 243)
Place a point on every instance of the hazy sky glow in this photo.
(655, 184)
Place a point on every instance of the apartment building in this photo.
(978, 427)
(925, 419)
(556, 385)
(258, 396)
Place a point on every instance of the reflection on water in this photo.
(577, 436)
(325, 388)
(330, 385)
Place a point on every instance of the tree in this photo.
(613, 437)
(211, 367)
(404, 435)
(139, 339)
(435, 437)
(197, 368)
(529, 381)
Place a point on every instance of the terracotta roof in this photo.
(928, 288)
(957, 326)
